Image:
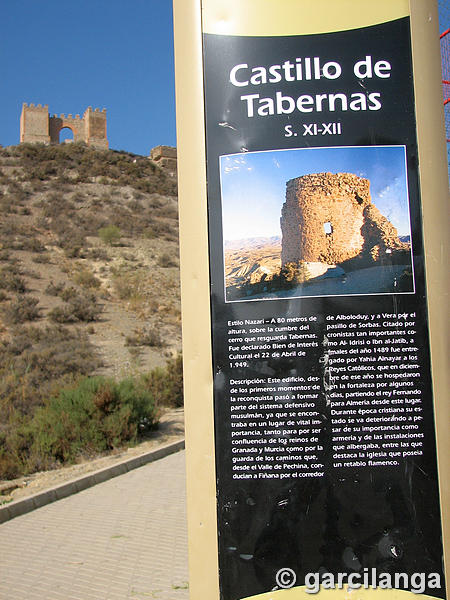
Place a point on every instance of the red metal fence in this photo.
(445, 55)
(444, 21)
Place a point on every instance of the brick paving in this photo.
(122, 539)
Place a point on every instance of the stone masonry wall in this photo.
(330, 218)
(165, 157)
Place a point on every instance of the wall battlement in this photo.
(37, 126)
(31, 105)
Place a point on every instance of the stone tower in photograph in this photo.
(37, 126)
(330, 218)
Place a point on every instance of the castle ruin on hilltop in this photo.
(330, 218)
(37, 126)
(165, 157)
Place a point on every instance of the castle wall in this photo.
(76, 125)
(159, 152)
(165, 157)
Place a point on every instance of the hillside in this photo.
(89, 278)
(250, 260)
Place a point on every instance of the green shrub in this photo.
(97, 415)
(21, 309)
(35, 364)
(99, 254)
(45, 422)
(85, 309)
(32, 244)
(73, 243)
(11, 279)
(78, 197)
(41, 258)
(15, 442)
(166, 383)
(145, 337)
(67, 294)
(165, 260)
(7, 205)
(129, 285)
(87, 279)
(110, 235)
(78, 308)
(54, 289)
(10, 467)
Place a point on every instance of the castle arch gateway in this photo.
(66, 135)
(57, 124)
(37, 126)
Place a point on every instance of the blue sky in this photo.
(254, 184)
(108, 54)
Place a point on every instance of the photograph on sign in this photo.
(316, 222)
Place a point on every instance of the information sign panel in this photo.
(324, 426)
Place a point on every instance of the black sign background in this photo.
(309, 524)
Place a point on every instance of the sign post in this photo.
(313, 190)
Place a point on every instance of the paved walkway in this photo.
(124, 539)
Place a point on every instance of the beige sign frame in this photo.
(192, 18)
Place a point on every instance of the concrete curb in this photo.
(25, 505)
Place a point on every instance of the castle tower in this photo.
(36, 126)
(322, 217)
(330, 218)
(95, 128)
